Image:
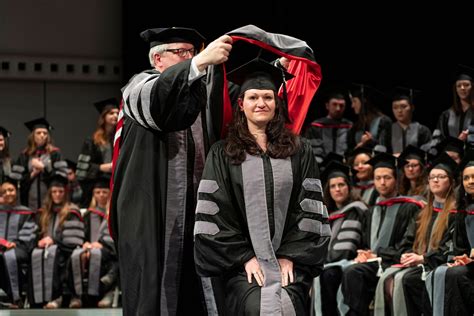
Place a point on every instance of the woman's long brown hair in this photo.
(422, 239)
(47, 212)
(282, 143)
(100, 136)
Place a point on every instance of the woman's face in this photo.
(412, 169)
(101, 195)
(339, 190)
(439, 182)
(9, 193)
(259, 107)
(364, 170)
(58, 194)
(2, 142)
(111, 117)
(468, 180)
(356, 105)
(402, 111)
(463, 88)
(40, 136)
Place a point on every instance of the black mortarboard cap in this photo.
(4, 132)
(58, 179)
(365, 91)
(383, 160)
(335, 169)
(331, 157)
(37, 123)
(258, 74)
(13, 178)
(463, 72)
(71, 164)
(361, 150)
(467, 161)
(106, 105)
(412, 152)
(404, 93)
(167, 35)
(451, 143)
(446, 163)
(102, 182)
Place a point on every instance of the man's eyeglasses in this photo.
(181, 52)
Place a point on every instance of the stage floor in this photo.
(63, 312)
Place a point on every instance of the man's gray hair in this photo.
(158, 49)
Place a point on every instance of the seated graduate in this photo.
(61, 231)
(346, 213)
(97, 259)
(412, 165)
(363, 174)
(385, 236)
(261, 227)
(17, 237)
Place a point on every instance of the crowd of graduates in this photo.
(399, 199)
(55, 246)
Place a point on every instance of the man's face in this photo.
(174, 54)
(385, 181)
(336, 108)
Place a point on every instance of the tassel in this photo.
(379, 271)
(423, 274)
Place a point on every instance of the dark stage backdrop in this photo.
(385, 50)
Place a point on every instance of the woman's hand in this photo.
(411, 259)
(45, 242)
(286, 267)
(364, 255)
(252, 267)
(96, 245)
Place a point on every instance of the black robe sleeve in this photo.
(227, 249)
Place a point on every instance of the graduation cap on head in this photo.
(331, 157)
(38, 123)
(365, 92)
(71, 164)
(4, 132)
(335, 169)
(383, 160)
(258, 74)
(412, 152)
(404, 93)
(58, 179)
(467, 161)
(463, 72)
(106, 105)
(102, 183)
(451, 143)
(159, 36)
(14, 178)
(446, 163)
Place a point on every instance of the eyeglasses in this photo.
(181, 52)
(412, 165)
(438, 177)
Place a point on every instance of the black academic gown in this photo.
(17, 224)
(346, 238)
(49, 267)
(415, 134)
(328, 135)
(389, 230)
(88, 167)
(264, 207)
(380, 128)
(162, 153)
(33, 190)
(5, 168)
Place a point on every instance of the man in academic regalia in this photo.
(162, 149)
(329, 134)
(389, 230)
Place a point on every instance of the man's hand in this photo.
(217, 52)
